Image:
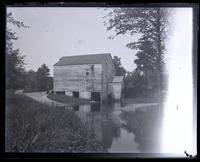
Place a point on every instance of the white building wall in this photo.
(68, 93)
(86, 95)
(71, 78)
(117, 87)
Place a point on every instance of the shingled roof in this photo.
(83, 59)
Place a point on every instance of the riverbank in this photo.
(141, 100)
(36, 127)
(146, 124)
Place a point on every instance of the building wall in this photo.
(109, 74)
(115, 89)
(71, 78)
(68, 93)
(85, 95)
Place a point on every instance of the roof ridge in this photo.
(86, 55)
(83, 59)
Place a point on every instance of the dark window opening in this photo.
(92, 67)
(60, 92)
(95, 96)
(87, 73)
(76, 94)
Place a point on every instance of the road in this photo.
(42, 97)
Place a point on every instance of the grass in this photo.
(67, 99)
(142, 100)
(34, 127)
(146, 126)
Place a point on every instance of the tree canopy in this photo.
(119, 70)
(14, 61)
(42, 77)
(153, 25)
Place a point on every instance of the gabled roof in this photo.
(84, 59)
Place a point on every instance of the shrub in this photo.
(36, 127)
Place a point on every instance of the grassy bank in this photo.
(146, 126)
(141, 100)
(67, 99)
(35, 127)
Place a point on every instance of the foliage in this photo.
(145, 124)
(135, 84)
(39, 80)
(152, 24)
(14, 61)
(42, 77)
(31, 83)
(119, 70)
(35, 127)
(147, 64)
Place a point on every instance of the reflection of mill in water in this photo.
(102, 120)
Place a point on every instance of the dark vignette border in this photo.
(6, 155)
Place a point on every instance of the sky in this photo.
(56, 32)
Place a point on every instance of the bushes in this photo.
(35, 127)
(146, 124)
(138, 92)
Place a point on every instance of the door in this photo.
(95, 96)
(76, 94)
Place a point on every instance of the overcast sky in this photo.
(56, 32)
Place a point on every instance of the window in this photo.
(76, 94)
(95, 96)
(87, 73)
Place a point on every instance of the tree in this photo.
(42, 77)
(135, 84)
(14, 61)
(146, 63)
(31, 83)
(152, 23)
(119, 70)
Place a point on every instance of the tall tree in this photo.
(146, 63)
(135, 84)
(152, 23)
(119, 70)
(42, 77)
(14, 61)
(31, 83)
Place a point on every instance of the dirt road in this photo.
(42, 97)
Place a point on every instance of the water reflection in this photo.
(76, 107)
(95, 107)
(120, 130)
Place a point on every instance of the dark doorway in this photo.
(76, 94)
(95, 96)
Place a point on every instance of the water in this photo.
(118, 127)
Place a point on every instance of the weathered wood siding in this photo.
(108, 75)
(117, 89)
(73, 78)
